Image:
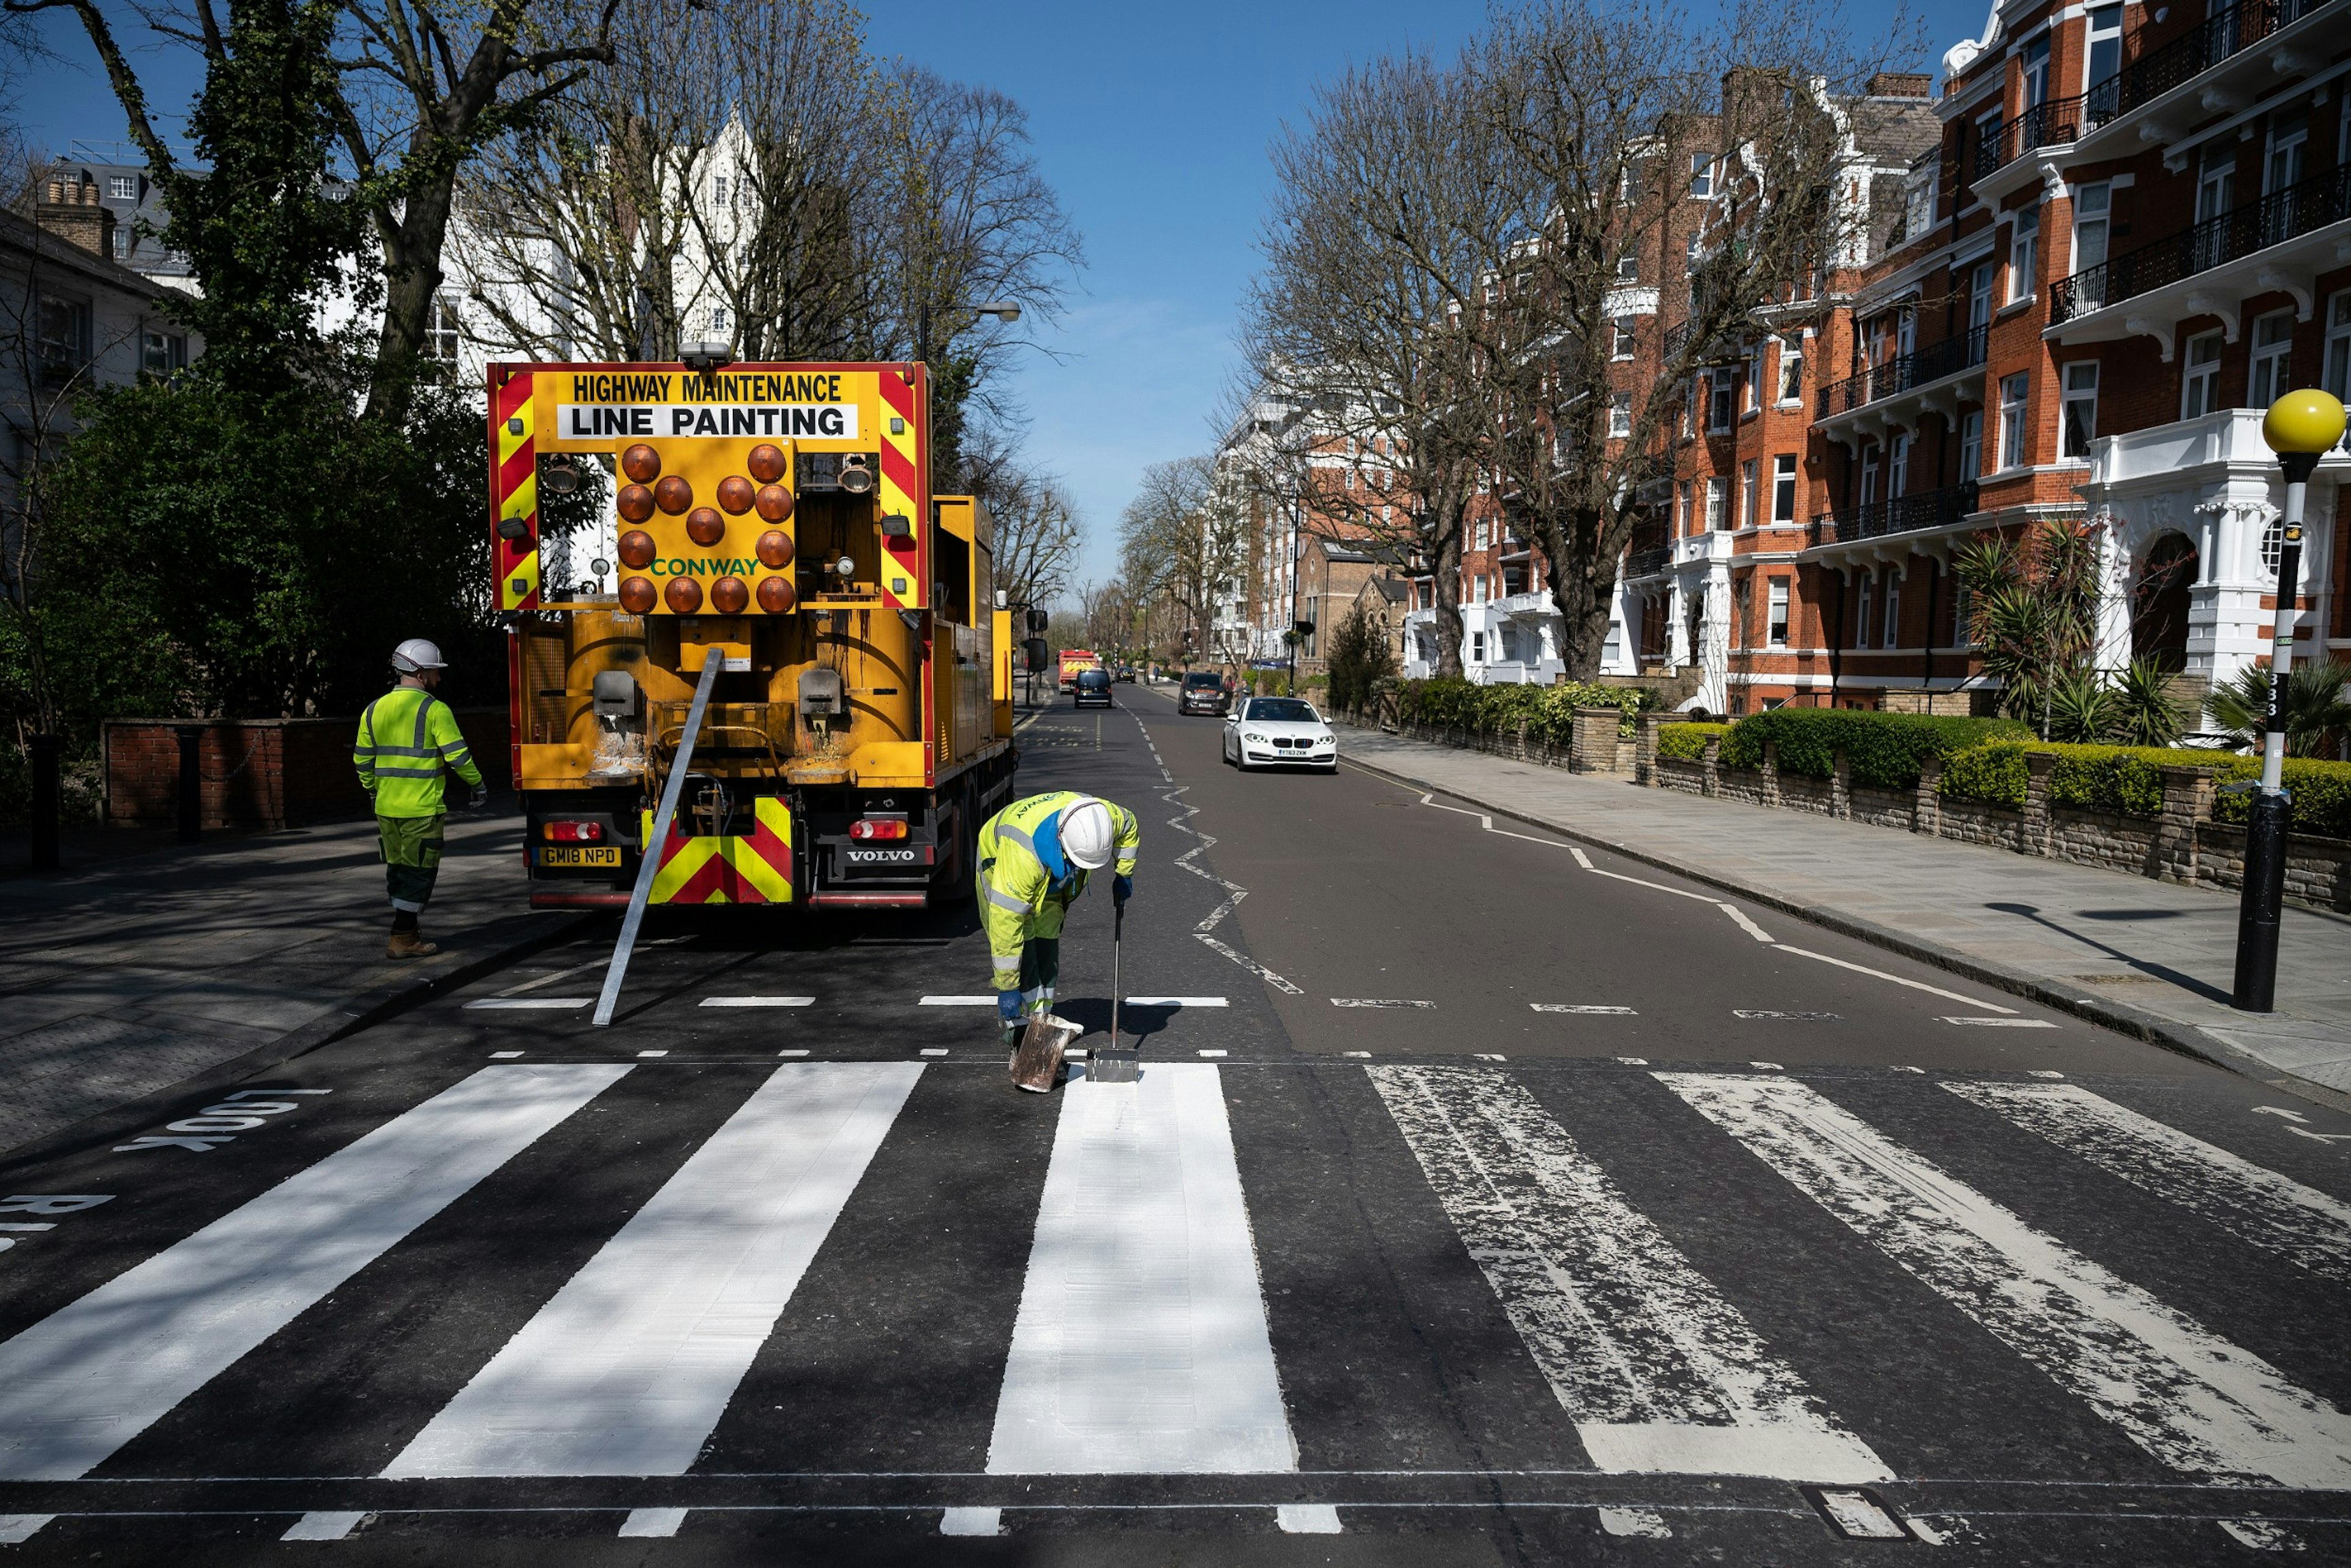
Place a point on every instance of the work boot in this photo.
(410, 945)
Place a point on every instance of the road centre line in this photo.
(1898, 979)
(2193, 1400)
(93, 1375)
(1204, 932)
(627, 1368)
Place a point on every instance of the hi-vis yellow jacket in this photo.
(1024, 893)
(405, 735)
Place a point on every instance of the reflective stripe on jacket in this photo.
(1020, 897)
(406, 737)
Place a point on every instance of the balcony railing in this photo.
(2298, 209)
(1902, 515)
(2049, 124)
(2189, 56)
(1648, 562)
(1931, 364)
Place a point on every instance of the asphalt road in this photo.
(1793, 1243)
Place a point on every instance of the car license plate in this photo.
(581, 855)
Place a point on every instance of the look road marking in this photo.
(2187, 1397)
(1141, 1344)
(88, 1378)
(627, 1369)
(2278, 1214)
(1658, 1371)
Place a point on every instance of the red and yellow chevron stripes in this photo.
(754, 868)
(513, 491)
(905, 566)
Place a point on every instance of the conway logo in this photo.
(679, 566)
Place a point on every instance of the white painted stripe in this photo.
(1307, 1517)
(91, 1377)
(971, 1522)
(1768, 1013)
(2187, 1397)
(527, 1004)
(653, 1523)
(16, 1528)
(1176, 1002)
(1141, 1344)
(1656, 1369)
(796, 1050)
(1858, 1516)
(323, 1526)
(1377, 1002)
(1745, 924)
(934, 1050)
(1898, 979)
(628, 1368)
(2000, 1024)
(985, 1001)
(761, 1002)
(503, 1055)
(2308, 1227)
(1212, 1053)
(1581, 1008)
(1636, 1523)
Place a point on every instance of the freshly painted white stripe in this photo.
(1655, 1368)
(653, 1523)
(971, 1522)
(796, 1050)
(16, 1528)
(527, 1004)
(1176, 1002)
(323, 1526)
(503, 1055)
(1898, 979)
(1377, 1002)
(2192, 1399)
(652, 1053)
(91, 1377)
(1307, 1517)
(2281, 1217)
(628, 1368)
(1581, 1008)
(1141, 1344)
(761, 1002)
(1745, 924)
(1212, 1053)
(2000, 1023)
(986, 1001)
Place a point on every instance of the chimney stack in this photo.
(71, 210)
(1901, 84)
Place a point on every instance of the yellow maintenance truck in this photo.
(775, 528)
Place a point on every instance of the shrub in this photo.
(2128, 780)
(1687, 742)
(1993, 774)
(1886, 749)
(1548, 712)
(2321, 791)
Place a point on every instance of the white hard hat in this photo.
(415, 654)
(1086, 834)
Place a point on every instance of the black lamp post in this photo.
(2300, 427)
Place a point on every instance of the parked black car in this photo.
(1092, 688)
(1203, 692)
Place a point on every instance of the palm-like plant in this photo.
(2033, 612)
(2314, 705)
(2145, 714)
(2080, 708)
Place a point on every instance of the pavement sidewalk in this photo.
(2150, 958)
(124, 976)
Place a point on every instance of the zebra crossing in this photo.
(1146, 1332)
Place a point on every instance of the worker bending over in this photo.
(1033, 859)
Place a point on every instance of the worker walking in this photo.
(1034, 856)
(406, 738)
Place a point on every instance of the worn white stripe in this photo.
(2187, 1397)
(1656, 1369)
(91, 1377)
(332, 1525)
(1141, 1344)
(1581, 1008)
(1898, 979)
(1999, 1023)
(1176, 1001)
(626, 1370)
(653, 1523)
(985, 1001)
(2277, 1214)
(526, 1004)
(762, 1001)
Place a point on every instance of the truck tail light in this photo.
(575, 832)
(871, 828)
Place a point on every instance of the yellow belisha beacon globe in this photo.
(2307, 421)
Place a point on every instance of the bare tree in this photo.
(1038, 531)
(1184, 538)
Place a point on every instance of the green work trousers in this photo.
(411, 859)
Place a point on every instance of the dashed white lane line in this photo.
(1592, 1008)
(2191, 1399)
(1212, 1052)
(1768, 1013)
(1378, 1002)
(1999, 1023)
(503, 1055)
(988, 1002)
(526, 1004)
(1176, 1002)
(652, 1053)
(796, 1051)
(934, 1050)
(759, 1002)
(1205, 932)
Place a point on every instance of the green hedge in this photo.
(1886, 749)
(2128, 780)
(1687, 742)
(1548, 712)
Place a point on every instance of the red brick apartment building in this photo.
(2085, 268)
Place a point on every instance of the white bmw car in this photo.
(1280, 732)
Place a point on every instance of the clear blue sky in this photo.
(1152, 125)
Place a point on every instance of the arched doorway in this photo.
(2159, 601)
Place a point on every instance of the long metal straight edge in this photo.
(649, 866)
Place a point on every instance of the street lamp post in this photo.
(2299, 427)
(1005, 311)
